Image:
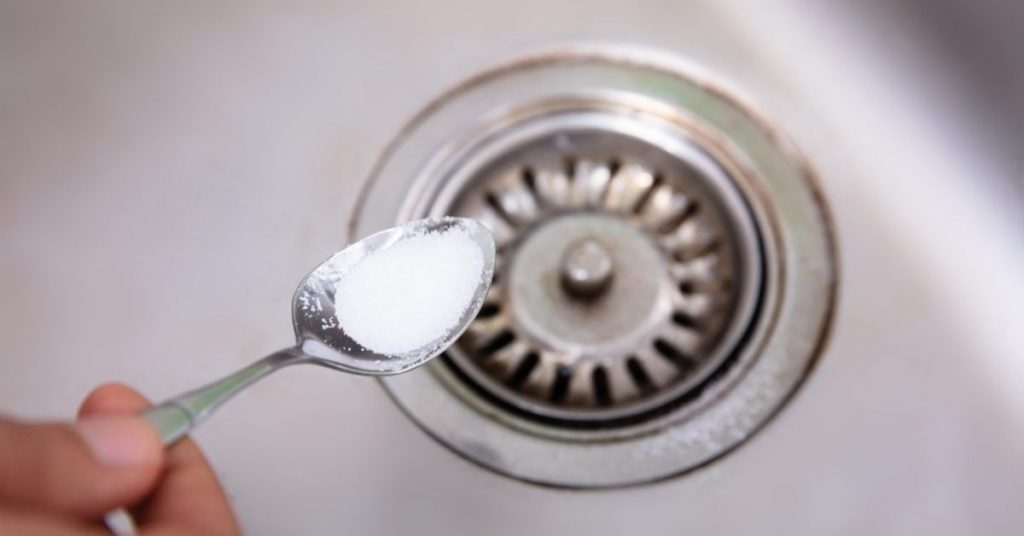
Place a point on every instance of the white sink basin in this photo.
(170, 173)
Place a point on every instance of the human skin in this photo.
(61, 478)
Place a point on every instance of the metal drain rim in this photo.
(804, 307)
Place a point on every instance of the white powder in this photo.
(410, 294)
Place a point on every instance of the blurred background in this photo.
(170, 170)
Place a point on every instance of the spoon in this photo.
(319, 338)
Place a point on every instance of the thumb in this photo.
(83, 469)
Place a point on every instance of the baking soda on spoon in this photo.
(406, 296)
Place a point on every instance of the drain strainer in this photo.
(627, 272)
(664, 277)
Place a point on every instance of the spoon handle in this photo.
(178, 416)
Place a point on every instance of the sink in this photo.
(170, 173)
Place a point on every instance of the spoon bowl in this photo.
(318, 333)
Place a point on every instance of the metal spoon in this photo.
(319, 338)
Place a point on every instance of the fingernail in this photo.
(121, 441)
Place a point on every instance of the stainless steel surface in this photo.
(184, 141)
(722, 242)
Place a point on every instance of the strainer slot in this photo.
(674, 355)
(639, 375)
(523, 370)
(496, 344)
(602, 389)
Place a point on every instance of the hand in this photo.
(62, 478)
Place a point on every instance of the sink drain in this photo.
(664, 277)
(627, 272)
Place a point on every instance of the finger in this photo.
(110, 399)
(84, 469)
(36, 524)
(170, 530)
(189, 498)
(113, 399)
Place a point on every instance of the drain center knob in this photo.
(587, 269)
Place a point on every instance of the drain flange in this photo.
(645, 279)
